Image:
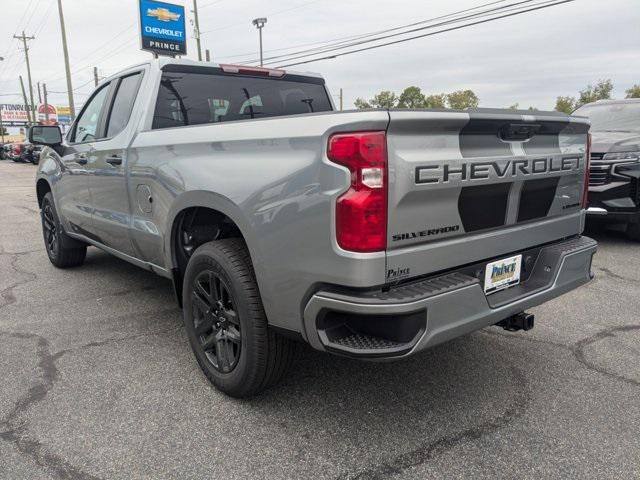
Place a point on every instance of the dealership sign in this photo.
(162, 28)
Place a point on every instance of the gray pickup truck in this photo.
(372, 234)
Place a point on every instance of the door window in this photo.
(123, 104)
(87, 127)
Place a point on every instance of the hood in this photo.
(606, 142)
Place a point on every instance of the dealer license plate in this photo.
(502, 274)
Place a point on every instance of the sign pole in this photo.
(46, 104)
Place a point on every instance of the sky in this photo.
(528, 59)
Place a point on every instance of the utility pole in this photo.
(72, 109)
(26, 102)
(197, 25)
(95, 76)
(207, 54)
(46, 104)
(341, 97)
(24, 39)
(259, 23)
(39, 94)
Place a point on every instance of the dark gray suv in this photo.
(614, 184)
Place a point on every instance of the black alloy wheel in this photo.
(215, 321)
(226, 323)
(50, 228)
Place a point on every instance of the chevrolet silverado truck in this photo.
(614, 181)
(372, 234)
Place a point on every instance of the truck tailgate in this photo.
(469, 186)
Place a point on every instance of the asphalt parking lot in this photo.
(98, 381)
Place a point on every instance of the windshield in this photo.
(620, 117)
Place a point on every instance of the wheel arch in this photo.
(42, 188)
(206, 204)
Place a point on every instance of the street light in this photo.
(259, 23)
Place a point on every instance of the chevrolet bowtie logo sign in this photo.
(163, 14)
(162, 27)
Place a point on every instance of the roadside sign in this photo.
(162, 28)
(52, 114)
(14, 115)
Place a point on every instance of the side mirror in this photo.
(49, 135)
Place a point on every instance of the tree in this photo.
(412, 97)
(361, 104)
(4, 131)
(436, 101)
(384, 99)
(565, 104)
(515, 106)
(601, 91)
(633, 92)
(463, 99)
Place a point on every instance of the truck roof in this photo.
(160, 63)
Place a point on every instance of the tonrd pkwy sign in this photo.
(162, 28)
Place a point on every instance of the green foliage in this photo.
(436, 101)
(565, 104)
(361, 104)
(633, 92)
(385, 99)
(601, 91)
(515, 106)
(411, 97)
(463, 99)
(4, 131)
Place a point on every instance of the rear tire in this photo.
(226, 323)
(62, 250)
(633, 231)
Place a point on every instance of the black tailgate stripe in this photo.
(536, 198)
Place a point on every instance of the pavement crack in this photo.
(6, 295)
(422, 454)
(579, 347)
(617, 276)
(15, 431)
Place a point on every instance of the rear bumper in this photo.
(413, 317)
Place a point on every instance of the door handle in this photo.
(114, 160)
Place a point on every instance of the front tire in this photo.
(62, 250)
(226, 323)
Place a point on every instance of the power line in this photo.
(481, 14)
(431, 33)
(343, 40)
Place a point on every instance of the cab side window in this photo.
(86, 129)
(123, 104)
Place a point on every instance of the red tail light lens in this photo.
(587, 164)
(361, 212)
